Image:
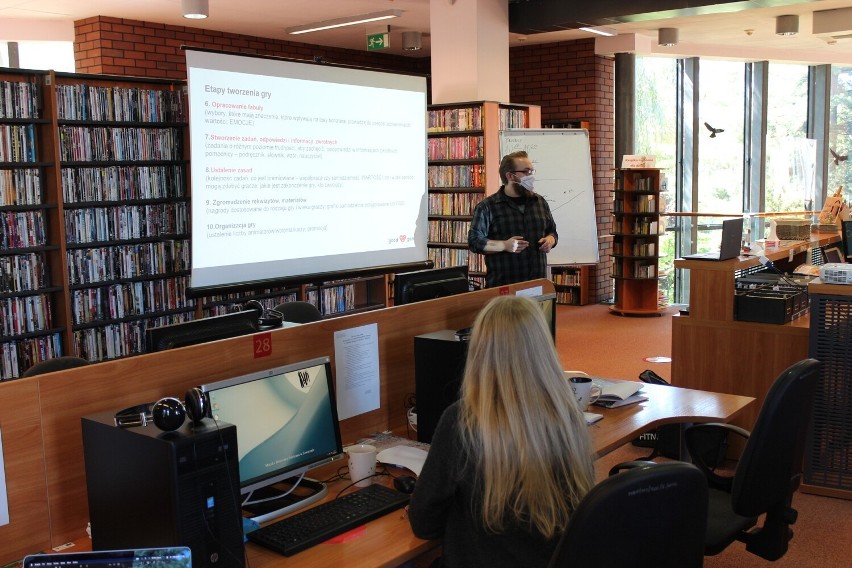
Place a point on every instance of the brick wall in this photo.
(571, 83)
(116, 46)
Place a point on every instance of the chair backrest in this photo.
(770, 467)
(298, 312)
(653, 516)
(55, 364)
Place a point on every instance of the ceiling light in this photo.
(412, 41)
(195, 9)
(667, 37)
(341, 22)
(787, 25)
(601, 30)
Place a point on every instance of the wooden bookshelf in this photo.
(463, 167)
(572, 283)
(636, 241)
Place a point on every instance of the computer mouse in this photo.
(404, 483)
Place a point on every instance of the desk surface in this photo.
(388, 541)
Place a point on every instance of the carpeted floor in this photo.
(592, 339)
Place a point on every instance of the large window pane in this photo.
(720, 151)
(839, 132)
(790, 156)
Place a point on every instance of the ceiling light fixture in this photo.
(412, 41)
(341, 22)
(667, 37)
(195, 9)
(601, 30)
(787, 25)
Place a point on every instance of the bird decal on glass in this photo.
(837, 157)
(713, 131)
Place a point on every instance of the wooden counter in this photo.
(712, 351)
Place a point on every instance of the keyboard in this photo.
(313, 526)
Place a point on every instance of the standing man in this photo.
(513, 227)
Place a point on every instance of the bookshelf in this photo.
(572, 283)
(30, 331)
(635, 246)
(463, 167)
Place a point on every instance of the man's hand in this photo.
(515, 244)
(546, 243)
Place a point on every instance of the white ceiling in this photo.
(722, 35)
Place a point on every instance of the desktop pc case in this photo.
(150, 488)
(439, 360)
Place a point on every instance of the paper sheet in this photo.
(356, 356)
(4, 498)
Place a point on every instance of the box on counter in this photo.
(770, 304)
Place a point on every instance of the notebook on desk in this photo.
(732, 236)
(171, 557)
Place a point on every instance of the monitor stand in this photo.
(274, 501)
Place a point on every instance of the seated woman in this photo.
(512, 458)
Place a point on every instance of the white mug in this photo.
(585, 391)
(362, 463)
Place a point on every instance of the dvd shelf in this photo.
(635, 248)
(348, 296)
(123, 184)
(463, 165)
(30, 331)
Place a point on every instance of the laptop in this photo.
(732, 237)
(172, 557)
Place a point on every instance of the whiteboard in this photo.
(563, 175)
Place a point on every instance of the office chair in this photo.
(768, 471)
(651, 516)
(55, 364)
(299, 312)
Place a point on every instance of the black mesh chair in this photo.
(768, 471)
(55, 364)
(298, 312)
(650, 516)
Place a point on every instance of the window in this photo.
(839, 132)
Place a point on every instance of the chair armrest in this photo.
(707, 445)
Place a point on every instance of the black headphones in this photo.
(265, 318)
(167, 414)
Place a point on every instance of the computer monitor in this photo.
(201, 330)
(430, 284)
(547, 303)
(286, 419)
(846, 233)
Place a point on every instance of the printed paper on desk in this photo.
(535, 291)
(4, 498)
(356, 356)
(404, 456)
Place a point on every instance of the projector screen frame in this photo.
(416, 256)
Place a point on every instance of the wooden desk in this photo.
(711, 351)
(388, 541)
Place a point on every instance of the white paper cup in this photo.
(362, 463)
(585, 391)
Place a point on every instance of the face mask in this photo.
(527, 182)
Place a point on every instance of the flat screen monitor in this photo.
(833, 254)
(286, 419)
(547, 303)
(430, 284)
(201, 331)
(846, 233)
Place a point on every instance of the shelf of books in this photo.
(29, 329)
(463, 167)
(572, 283)
(125, 205)
(343, 297)
(635, 247)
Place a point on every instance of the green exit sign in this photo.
(377, 41)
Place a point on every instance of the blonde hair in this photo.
(520, 422)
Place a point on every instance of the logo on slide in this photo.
(304, 379)
(402, 238)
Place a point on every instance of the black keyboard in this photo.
(313, 526)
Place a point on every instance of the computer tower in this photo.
(439, 359)
(150, 488)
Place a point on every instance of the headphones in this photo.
(265, 318)
(167, 414)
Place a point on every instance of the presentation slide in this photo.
(303, 169)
